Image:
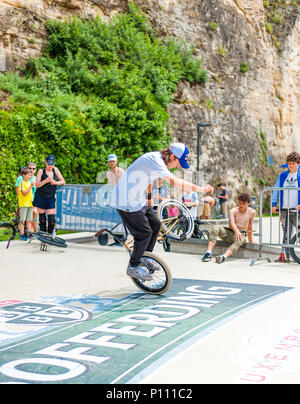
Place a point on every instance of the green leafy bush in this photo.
(97, 88)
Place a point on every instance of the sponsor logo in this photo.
(37, 314)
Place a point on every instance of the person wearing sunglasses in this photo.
(46, 181)
(32, 167)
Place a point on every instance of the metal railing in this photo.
(280, 233)
(85, 208)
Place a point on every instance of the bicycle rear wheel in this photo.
(48, 239)
(161, 275)
(295, 252)
(7, 232)
(172, 214)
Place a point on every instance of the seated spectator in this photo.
(240, 225)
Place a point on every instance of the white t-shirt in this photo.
(192, 197)
(130, 192)
(290, 198)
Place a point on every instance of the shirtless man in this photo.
(240, 225)
(115, 173)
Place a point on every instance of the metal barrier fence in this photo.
(85, 208)
(278, 230)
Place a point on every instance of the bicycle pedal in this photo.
(43, 247)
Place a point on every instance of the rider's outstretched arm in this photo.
(186, 186)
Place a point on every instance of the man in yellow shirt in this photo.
(25, 203)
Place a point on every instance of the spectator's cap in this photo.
(181, 152)
(112, 157)
(50, 158)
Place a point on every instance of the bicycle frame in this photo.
(128, 244)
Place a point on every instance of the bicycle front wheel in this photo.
(174, 215)
(295, 251)
(7, 231)
(160, 272)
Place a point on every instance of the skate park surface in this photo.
(73, 316)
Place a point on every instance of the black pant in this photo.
(144, 226)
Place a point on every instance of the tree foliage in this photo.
(97, 88)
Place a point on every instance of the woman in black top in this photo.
(46, 181)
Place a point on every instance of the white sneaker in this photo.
(154, 265)
(139, 273)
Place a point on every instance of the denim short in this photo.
(44, 204)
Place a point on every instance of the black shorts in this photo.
(43, 203)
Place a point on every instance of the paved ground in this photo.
(228, 323)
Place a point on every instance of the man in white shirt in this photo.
(129, 198)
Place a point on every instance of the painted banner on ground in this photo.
(126, 341)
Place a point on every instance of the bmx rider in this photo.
(129, 198)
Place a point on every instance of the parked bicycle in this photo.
(177, 224)
(9, 231)
(200, 232)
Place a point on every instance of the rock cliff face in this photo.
(252, 97)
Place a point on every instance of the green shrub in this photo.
(97, 88)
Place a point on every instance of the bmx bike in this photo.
(177, 227)
(10, 230)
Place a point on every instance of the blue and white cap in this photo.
(181, 152)
(112, 157)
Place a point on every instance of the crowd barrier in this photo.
(85, 208)
(277, 230)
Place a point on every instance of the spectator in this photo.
(25, 203)
(288, 200)
(32, 167)
(19, 179)
(33, 178)
(159, 193)
(240, 225)
(223, 200)
(115, 173)
(191, 201)
(209, 201)
(113, 177)
(46, 181)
